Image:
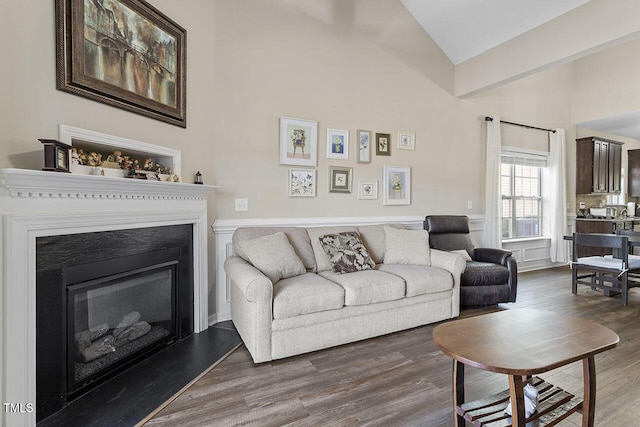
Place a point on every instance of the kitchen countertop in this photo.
(627, 219)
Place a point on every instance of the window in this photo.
(521, 189)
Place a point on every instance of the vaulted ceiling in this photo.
(468, 30)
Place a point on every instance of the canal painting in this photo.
(128, 51)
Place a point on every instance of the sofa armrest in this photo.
(494, 255)
(251, 306)
(253, 284)
(454, 264)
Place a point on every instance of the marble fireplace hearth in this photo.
(37, 204)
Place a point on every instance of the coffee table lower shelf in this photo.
(554, 405)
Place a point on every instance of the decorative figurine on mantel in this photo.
(198, 178)
(56, 155)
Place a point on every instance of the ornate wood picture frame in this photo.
(124, 53)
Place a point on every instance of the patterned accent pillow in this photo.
(346, 252)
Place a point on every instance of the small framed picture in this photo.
(396, 185)
(337, 144)
(406, 140)
(298, 142)
(368, 190)
(302, 182)
(364, 146)
(383, 144)
(340, 179)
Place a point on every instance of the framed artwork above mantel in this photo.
(124, 53)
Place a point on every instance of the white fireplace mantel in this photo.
(38, 203)
(24, 183)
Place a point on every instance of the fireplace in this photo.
(38, 209)
(105, 301)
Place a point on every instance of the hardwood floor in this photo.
(402, 379)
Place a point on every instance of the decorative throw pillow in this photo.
(463, 253)
(406, 246)
(346, 252)
(274, 256)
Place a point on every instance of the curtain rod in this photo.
(490, 119)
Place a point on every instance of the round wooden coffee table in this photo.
(522, 343)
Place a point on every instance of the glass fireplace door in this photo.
(114, 320)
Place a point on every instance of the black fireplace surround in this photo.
(145, 274)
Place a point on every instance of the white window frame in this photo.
(531, 158)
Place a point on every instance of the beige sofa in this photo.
(301, 307)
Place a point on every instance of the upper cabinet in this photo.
(633, 173)
(598, 165)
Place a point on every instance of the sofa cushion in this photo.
(274, 256)
(373, 238)
(406, 246)
(297, 236)
(368, 286)
(481, 273)
(346, 252)
(308, 293)
(420, 279)
(321, 258)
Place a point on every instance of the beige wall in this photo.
(606, 84)
(348, 65)
(364, 64)
(32, 108)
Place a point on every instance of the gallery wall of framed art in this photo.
(298, 146)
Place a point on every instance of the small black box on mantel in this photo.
(56, 155)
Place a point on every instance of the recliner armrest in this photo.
(494, 255)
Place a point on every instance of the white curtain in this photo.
(493, 228)
(557, 166)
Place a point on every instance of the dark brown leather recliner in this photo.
(491, 277)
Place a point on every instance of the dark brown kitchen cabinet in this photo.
(615, 167)
(598, 165)
(633, 173)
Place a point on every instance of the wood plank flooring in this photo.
(402, 379)
(131, 396)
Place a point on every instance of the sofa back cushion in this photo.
(274, 256)
(373, 238)
(406, 247)
(323, 263)
(297, 236)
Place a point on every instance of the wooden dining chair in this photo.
(633, 235)
(614, 274)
